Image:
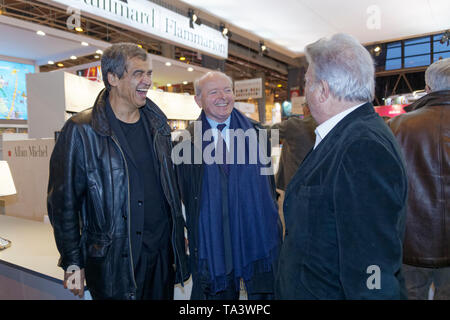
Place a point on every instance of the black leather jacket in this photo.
(88, 200)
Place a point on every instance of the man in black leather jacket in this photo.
(112, 196)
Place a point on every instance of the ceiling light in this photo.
(85, 44)
(182, 58)
(185, 82)
(79, 29)
(377, 49)
(73, 57)
(96, 56)
(168, 64)
(262, 48)
(99, 52)
(51, 62)
(190, 69)
(193, 18)
(40, 33)
(169, 85)
(60, 65)
(225, 31)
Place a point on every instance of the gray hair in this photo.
(345, 65)
(437, 76)
(114, 59)
(198, 82)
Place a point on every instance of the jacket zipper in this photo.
(129, 211)
(174, 248)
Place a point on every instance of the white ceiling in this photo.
(289, 25)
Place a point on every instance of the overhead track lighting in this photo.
(225, 31)
(193, 18)
(262, 48)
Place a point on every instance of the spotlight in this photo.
(225, 31)
(445, 37)
(192, 18)
(377, 49)
(40, 33)
(262, 48)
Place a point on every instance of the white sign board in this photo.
(297, 105)
(147, 17)
(245, 107)
(244, 89)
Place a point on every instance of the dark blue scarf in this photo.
(253, 217)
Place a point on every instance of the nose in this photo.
(220, 93)
(147, 79)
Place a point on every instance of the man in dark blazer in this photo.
(232, 218)
(345, 206)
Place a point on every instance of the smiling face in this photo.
(131, 89)
(216, 97)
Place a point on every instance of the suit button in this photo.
(124, 217)
(138, 233)
(140, 203)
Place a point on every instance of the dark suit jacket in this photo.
(298, 138)
(345, 216)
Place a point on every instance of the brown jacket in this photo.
(424, 136)
(298, 139)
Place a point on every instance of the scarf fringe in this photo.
(220, 283)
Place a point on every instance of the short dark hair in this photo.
(114, 59)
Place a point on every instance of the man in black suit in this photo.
(345, 206)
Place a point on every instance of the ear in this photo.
(324, 91)
(199, 101)
(427, 89)
(113, 79)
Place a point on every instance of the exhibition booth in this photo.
(34, 106)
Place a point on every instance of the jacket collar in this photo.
(436, 98)
(101, 124)
(366, 110)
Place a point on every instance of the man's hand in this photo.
(74, 281)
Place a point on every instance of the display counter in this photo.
(28, 269)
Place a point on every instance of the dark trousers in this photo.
(418, 281)
(155, 275)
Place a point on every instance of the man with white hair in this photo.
(424, 135)
(345, 207)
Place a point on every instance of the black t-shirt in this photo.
(156, 208)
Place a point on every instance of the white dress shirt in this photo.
(322, 130)
(225, 132)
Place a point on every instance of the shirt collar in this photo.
(323, 129)
(214, 123)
